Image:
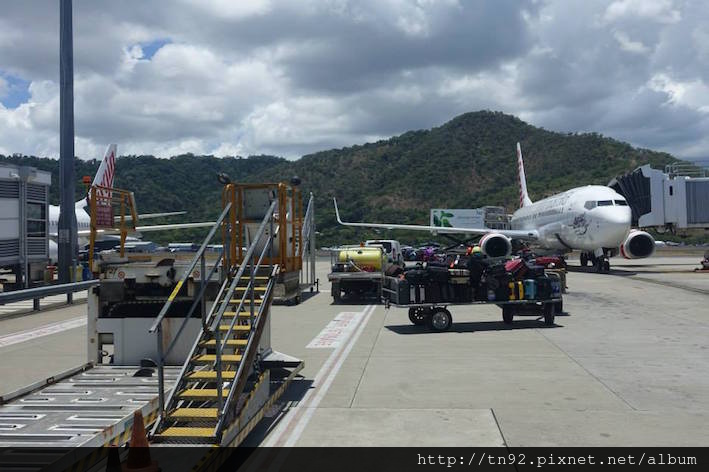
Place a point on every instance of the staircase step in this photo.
(256, 289)
(193, 414)
(187, 432)
(237, 328)
(229, 343)
(242, 314)
(226, 358)
(236, 301)
(210, 375)
(202, 393)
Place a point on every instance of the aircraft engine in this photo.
(496, 245)
(637, 245)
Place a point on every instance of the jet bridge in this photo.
(672, 201)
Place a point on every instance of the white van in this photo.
(391, 247)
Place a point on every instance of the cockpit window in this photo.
(590, 205)
(622, 203)
(602, 203)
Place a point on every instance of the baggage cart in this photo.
(436, 316)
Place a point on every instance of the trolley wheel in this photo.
(440, 320)
(549, 313)
(508, 314)
(418, 315)
(296, 300)
(336, 294)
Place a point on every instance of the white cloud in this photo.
(661, 11)
(290, 78)
(627, 44)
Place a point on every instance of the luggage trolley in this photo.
(436, 316)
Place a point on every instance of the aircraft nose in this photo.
(616, 222)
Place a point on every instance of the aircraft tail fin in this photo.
(524, 199)
(107, 169)
(104, 174)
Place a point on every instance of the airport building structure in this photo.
(672, 201)
(24, 237)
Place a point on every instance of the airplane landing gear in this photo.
(601, 263)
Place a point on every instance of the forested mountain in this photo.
(468, 162)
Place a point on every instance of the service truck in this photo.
(360, 268)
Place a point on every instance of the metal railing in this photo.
(220, 340)
(156, 327)
(37, 293)
(681, 169)
(307, 245)
(211, 321)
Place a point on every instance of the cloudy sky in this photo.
(230, 77)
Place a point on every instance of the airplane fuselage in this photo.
(586, 218)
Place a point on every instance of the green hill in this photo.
(465, 163)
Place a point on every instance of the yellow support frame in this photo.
(124, 200)
(288, 200)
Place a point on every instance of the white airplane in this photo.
(594, 219)
(104, 177)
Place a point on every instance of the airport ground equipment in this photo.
(672, 201)
(111, 210)
(437, 317)
(186, 340)
(356, 269)
(24, 237)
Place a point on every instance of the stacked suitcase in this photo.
(461, 280)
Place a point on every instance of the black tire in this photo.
(440, 320)
(336, 294)
(584, 259)
(606, 267)
(418, 315)
(549, 313)
(559, 307)
(508, 314)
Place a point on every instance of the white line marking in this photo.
(295, 421)
(336, 331)
(46, 330)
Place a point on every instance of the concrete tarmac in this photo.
(625, 366)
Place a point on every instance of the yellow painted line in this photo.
(210, 375)
(208, 393)
(235, 328)
(194, 413)
(174, 291)
(186, 431)
(213, 358)
(229, 342)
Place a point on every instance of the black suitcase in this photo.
(433, 292)
(417, 294)
(534, 271)
(543, 288)
(502, 292)
(437, 274)
(462, 293)
(447, 293)
(402, 291)
(481, 292)
(416, 276)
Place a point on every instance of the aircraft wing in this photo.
(145, 229)
(529, 235)
(145, 216)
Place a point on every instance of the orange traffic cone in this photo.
(138, 452)
(113, 463)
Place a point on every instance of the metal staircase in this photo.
(210, 392)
